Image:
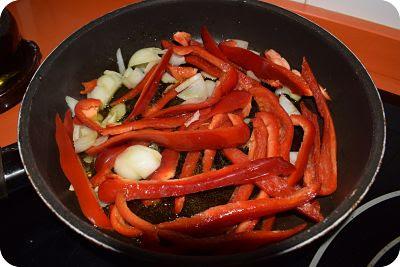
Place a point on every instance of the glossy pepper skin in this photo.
(190, 140)
(265, 69)
(327, 165)
(86, 111)
(76, 175)
(233, 174)
(203, 65)
(210, 45)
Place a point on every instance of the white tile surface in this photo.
(377, 11)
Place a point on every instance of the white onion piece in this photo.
(144, 55)
(255, 52)
(210, 86)
(106, 86)
(194, 100)
(188, 82)
(247, 120)
(100, 140)
(71, 102)
(177, 60)
(115, 114)
(168, 78)
(131, 77)
(287, 91)
(120, 61)
(195, 117)
(195, 90)
(88, 159)
(83, 138)
(137, 162)
(208, 76)
(293, 157)
(288, 106)
(96, 193)
(252, 75)
(150, 65)
(71, 188)
(169, 87)
(241, 43)
(162, 52)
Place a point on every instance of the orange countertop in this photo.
(49, 22)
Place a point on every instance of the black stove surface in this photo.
(31, 235)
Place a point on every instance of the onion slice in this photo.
(288, 106)
(120, 61)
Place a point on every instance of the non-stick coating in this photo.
(356, 106)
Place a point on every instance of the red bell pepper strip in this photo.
(100, 176)
(183, 38)
(86, 111)
(268, 223)
(203, 65)
(168, 96)
(190, 140)
(226, 84)
(232, 213)
(305, 149)
(233, 174)
(194, 42)
(327, 165)
(272, 124)
(258, 146)
(210, 45)
(151, 86)
(265, 69)
(267, 101)
(166, 44)
(181, 73)
(229, 43)
(235, 241)
(137, 90)
(155, 123)
(278, 187)
(149, 230)
(245, 82)
(76, 175)
(68, 123)
(89, 86)
(120, 226)
(188, 168)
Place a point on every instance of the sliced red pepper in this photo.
(268, 223)
(151, 86)
(86, 111)
(181, 73)
(168, 96)
(190, 140)
(188, 168)
(68, 123)
(209, 44)
(235, 241)
(100, 176)
(327, 165)
(228, 43)
(183, 38)
(89, 86)
(245, 82)
(76, 175)
(107, 156)
(233, 174)
(258, 146)
(265, 69)
(230, 214)
(226, 84)
(166, 44)
(235, 155)
(267, 101)
(120, 226)
(155, 123)
(203, 65)
(194, 42)
(305, 149)
(272, 124)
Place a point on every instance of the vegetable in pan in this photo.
(225, 119)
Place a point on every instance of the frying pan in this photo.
(356, 107)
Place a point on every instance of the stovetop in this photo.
(31, 235)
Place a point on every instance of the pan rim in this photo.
(105, 240)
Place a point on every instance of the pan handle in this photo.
(12, 172)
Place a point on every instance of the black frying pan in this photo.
(356, 107)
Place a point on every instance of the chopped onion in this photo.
(288, 106)
(168, 78)
(247, 120)
(83, 138)
(287, 91)
(188, 82)
(100, 140)
(71, 188)
(252, 75)
(195, 117)
(137, 162)
(293, 157)
(88, 159)
(71, 102)
(120, 61)
(144, 55)
(177, 60)
(195, 90)
(115, 114)
(255, 52)
(206, 75)
(210, 86)
(150, 65)
(131, 77)
(106, 86)
(241, 43)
